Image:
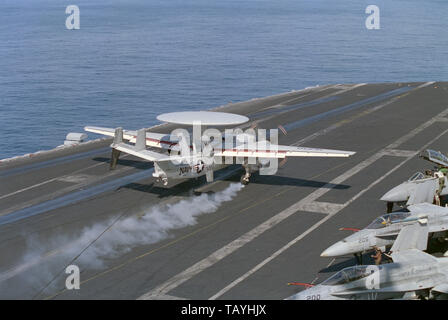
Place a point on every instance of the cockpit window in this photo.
(386, 219)
(416, 176)
(348, 275)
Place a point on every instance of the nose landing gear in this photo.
(245, 178)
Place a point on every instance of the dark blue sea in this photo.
(133, 59)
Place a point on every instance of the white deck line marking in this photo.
(315, 226)
(321, 207)
(221, 253)
(47, 181)
(283, 104)
(53, 179)
(400, 153)
(168, 297)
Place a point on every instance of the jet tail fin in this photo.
(118, 135)
(410, 243)
(118, 138)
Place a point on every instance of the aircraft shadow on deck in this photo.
(180, 189)
(190, 184)
(138, 164)
(275, 180)
(255, 179)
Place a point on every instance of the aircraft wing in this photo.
(156, 140)
(262, 149)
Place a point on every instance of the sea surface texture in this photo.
(134, 59)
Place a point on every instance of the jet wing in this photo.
(156, 140)
(262, 149)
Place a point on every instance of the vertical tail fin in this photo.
(140, 143)
(118, 138)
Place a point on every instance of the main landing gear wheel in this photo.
(163, 180)
(245, 177)
(244, 180)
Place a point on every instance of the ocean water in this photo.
(134, 59)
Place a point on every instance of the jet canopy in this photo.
(417, 176)
(387, 219)
(435, 157)
(347, 275)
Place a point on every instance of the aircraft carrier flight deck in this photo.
(134, 238)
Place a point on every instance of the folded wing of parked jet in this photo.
(410, 242)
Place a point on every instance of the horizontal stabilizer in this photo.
(152, 139)
(144, 154)
(413, 255)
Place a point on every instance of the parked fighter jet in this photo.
(413, 274)
(383, 231)
(421, 187)
(182, 157)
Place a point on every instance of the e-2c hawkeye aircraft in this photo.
(413, 274)
(180, 156)
(428, 187)
(383, 231)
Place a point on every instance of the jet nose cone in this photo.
(338, 249)
(397, 194)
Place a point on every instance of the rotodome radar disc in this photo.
(206, 118)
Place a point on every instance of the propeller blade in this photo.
(184, 147)
(254, 125)
(282, 163)
(282, 129)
